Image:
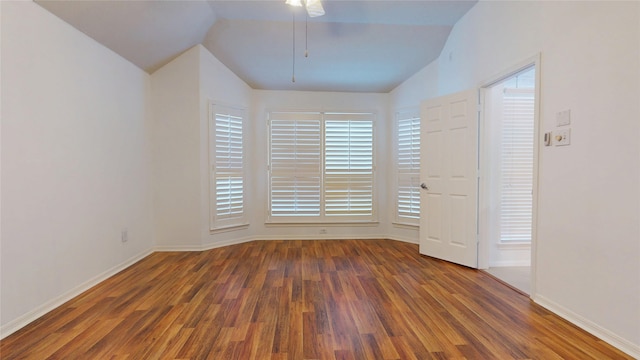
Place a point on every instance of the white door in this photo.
(449, 175)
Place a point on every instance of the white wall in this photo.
(588, 242)
(176, 133)
(422, 85)
(76, 156)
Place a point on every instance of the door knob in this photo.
(424, 186)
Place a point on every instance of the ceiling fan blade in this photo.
(314, 8)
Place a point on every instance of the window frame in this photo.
(216, 222)
(323, 217)
(413, 173)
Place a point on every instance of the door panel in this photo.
(449, 138)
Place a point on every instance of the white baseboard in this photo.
(402, 239)
(50, 305)
(589, 326)
(510, 263)
(321, 237)
(182, 248)
(219, 244)
(215, 245)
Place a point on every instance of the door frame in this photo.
(483, 188)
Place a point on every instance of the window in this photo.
(321, 167)
(408, 168)
(226, 166)
(516, 163)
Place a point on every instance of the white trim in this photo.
(312, 237)
(506, 263)
(223, 229)
(52, 304)
(204, 247)
(403, 239)
(484, 243)
(220, 244)
(589, 326)
(401, 225)
(179, 248)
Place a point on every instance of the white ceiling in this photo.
(358, 46)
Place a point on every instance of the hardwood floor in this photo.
(351, 299)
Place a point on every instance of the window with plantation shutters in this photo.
(348, 165)
(516, 165)
(226, 166)
(408, 168)
(320, 167)
(295, 164)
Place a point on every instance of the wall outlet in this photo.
(124, 236)
(562, 137)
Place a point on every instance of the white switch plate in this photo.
(562, 137)
(563, 118)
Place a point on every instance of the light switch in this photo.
(563, 118)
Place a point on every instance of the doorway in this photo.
(508, 184)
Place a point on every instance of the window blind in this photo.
(227, 170)
(408, 168)
(516, 165)
(348, 170)
(295, 164)
(320, 166)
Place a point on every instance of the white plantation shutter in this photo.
(227, 170)
(408, 168)
(348, 173)
(320, 166)
(516, 165)
(295, 164)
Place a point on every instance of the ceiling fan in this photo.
(314, 7)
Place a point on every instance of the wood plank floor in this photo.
(351, 299)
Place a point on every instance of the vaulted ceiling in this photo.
(357, 46)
